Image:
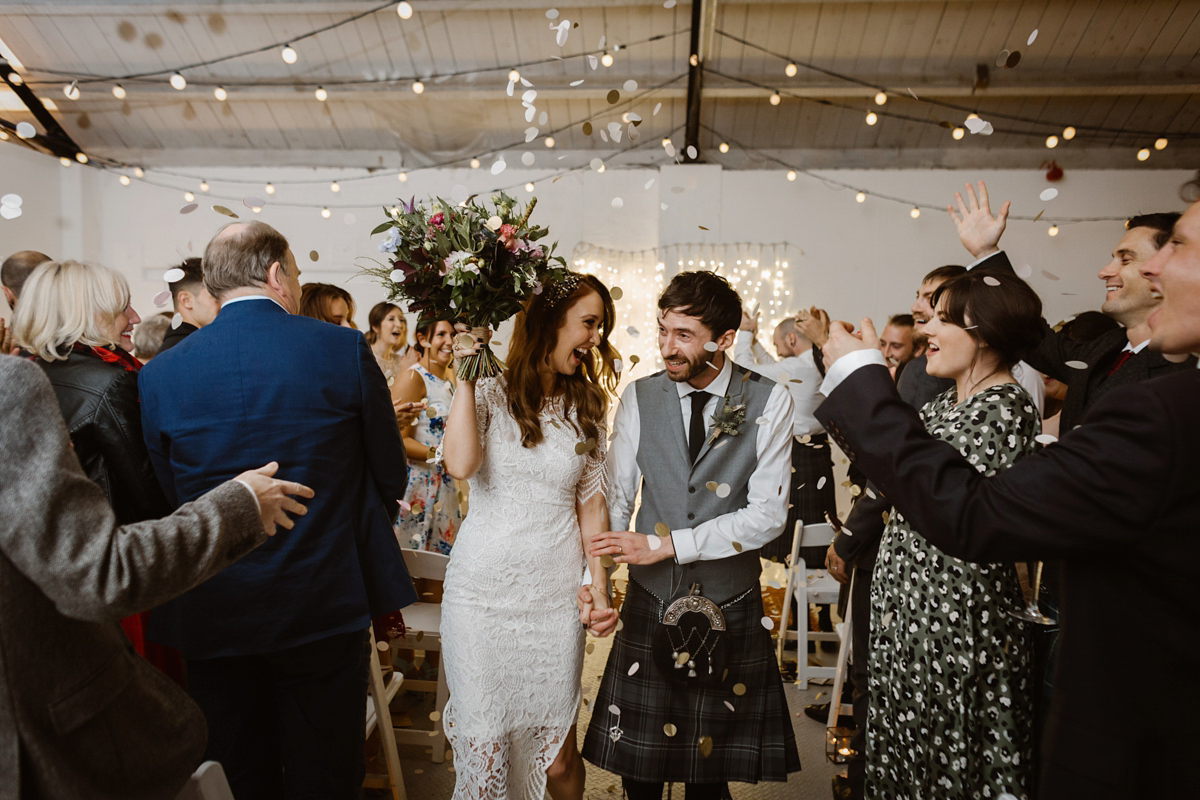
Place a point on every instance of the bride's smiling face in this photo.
(579, 333)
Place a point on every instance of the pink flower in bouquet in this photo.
(508, 238)
(438, 221)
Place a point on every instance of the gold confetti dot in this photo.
(435, 715)
(662, 530)
(313, 255)
(670, 730)
(737, 546)
(591, 648)
(682, 658)
(711, 486)
(613, 97)
(606, 561)
(706, 746)
(739, 689)
(225, 211)
(587, 129)
(615, 293)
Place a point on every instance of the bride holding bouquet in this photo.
(530, 438)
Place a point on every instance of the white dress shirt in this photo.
(765, 513)
(799, 373)
(252, 297)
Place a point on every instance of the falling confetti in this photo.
(189, 208)
(633, 668)
(613, 97)
(739, 689)
(253, 202)
(27, 131)
(632, 331)
(1049, 275)
(723, 489)
(531, 133)
(1013, 59)
(657, 108)
(528, 158)
(1048, 194)
(172, 275)
(1045, 438)
(587, 129)
(706, 746)
(670, 730)
(729, 705)
(1076, 364)
(662, 529)
(653, 542)
(669, 3)
(1024, 271)
(691, 151)
(161, 298)
(577, 83)
(1032, 37)
(1002, 58)
(499, 166)
(767, 623)
(616, 293)
(701, 227)
(737, 546)
(820, 483)
(225, 211)
(176, 321)
(617, 202)
(710, 347)
(1039, 215)
(990, 281)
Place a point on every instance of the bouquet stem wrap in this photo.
(482, 364)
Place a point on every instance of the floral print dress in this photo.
(433, 514)
(950, 670)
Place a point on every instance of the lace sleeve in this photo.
(594, 479)
(488, 394)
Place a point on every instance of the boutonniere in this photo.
(728, 419)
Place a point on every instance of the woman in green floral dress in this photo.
(950, 669)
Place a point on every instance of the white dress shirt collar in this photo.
(718, 388)
(252, 297)
(1129, 348)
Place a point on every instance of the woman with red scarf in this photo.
(75, 320)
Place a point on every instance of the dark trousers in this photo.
(860, 642)
(288, 724)
(639, 790)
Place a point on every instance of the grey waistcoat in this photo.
(674, 490)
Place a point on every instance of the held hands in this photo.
(813, 325)
(595, 612)
(843, 340)
(629, 547)
(468, 341)
(273, 497)
(978, 230)
(835, 566)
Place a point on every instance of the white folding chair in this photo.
(208, 782)
(423, 631)
(379, 708)
(844, 630)
(815, 586)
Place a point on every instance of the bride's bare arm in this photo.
(595, 599)
(462, 452)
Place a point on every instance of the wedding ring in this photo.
(620, 551)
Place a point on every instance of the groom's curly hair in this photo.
(707, 296)
(585, 393)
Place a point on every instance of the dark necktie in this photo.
(1121, 359)
(697, 430)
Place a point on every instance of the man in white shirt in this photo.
(811, 493)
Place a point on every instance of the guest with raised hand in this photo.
(950, 670)
(100, 724)
(532, 443)
(1119, 486)
(434, 514)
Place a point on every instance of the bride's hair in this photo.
(535, 335)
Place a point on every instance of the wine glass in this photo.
(1032, 613)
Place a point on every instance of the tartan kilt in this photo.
(753, 742)
(811, 462)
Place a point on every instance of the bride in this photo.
(532, 443)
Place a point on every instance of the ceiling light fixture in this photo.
(118, 91)
(220, 94)
(178, 82)
(404, 10)
(288, 54)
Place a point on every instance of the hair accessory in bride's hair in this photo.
(561, 288)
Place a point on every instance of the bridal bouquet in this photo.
(467, 263)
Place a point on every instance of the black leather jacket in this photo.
(99, 402)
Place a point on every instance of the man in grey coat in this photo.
(81, 715)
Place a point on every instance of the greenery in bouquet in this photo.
(466, 263)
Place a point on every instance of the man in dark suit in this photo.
(277, 645)
(194, 306)
(1117, 358)
(1123, 481)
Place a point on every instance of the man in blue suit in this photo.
(276, 644)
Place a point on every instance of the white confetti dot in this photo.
(633, 668)
(723, 490)
(25, 130)
(499, 166)
(552, 13)
(1076, 364)
(768, 623)
(630, 85)
(596, 163)
(762, 421)
(990, 281)
(1049, 194)
(1045, 438)
(176, 321)
(1032, 38)
(528, 158)
(172, 275)
(728, 705)
(618, 366)
(531, 134)
(821, 482)
(614, 710)
(657, 108)
(12, 200)
(653, 542)
(710, 347)
(670, 150)
(576, 83)
(617, 202)
(161, 298)
(669, 3)
(397, 276)
(1023, 271)
(649, 183)
(632, 331)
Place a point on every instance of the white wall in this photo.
(858, 259)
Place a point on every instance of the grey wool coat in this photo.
(81, 714)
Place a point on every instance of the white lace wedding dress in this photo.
(513, 644)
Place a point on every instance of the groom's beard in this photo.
(694, 368)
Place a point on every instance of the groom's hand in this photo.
(630, 547)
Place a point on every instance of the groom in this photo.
(712, 495)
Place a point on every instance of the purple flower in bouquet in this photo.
(392, 243)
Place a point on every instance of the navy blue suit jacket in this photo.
(261, 385)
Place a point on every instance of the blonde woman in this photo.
(77, 322)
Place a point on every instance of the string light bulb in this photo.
(474, 163)
(124, 179)
(418, 87)
(606, 59)
(402, 177)
(790, 70)
(514, 76)
(404, 10)
(549, 141)
(204, 186)
(1052, 141)
(335, 187)
(1143, 154)
(1160, 144)
(321, 94)
(269, 188)
(723, 147)
(529, 188)
(178, 82)
(958, 133)
(1069, 133)
(872, 118)
(66, 162)
(916, 212)
(775, 98)
(1053, 231)
(81, 157)
(71, 90)
(189, 197)
(325, 212)
(139, 172)
(118, 91)
(791, 174)
(220, 94)
(288, 54)
(861, 197)
(880, 97)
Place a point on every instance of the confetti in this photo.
(616, 293)
(1002, 58)
(710, 347)
(820, 483)
(11, 200)
(1024, 271)
(670, 730)
(653, 542)
(691, 151)
(975, 124)
(729, 705)
(1013, 59)
(669, 4)
(990, 281)
(632, 331)
(887, 618)
(435, 715)
(633, 359)
(1076, 364)
(499, 166)
(617, 202)
(613, 97)
(189, 208)
(657, 108)
(253, 202)
(225, 211)
(723, 490)
(670, 149)
(552, 13)
(633, 668)
(161, 298)
(531, 133)
(767, 623)
(711, 486)
(737, 546)
(587, 128)
(577, 83)
(27, 131)
(1049, 275)
(1032, 37)
(562, 29)
(764, 420)
(614, 710)
(528, 158)
(706, 746)
(701, 227)
(662, 529)
(176, 321)
(607, 562)
(596, 164)
(1048, 194)
(172, 275)
(1039, 215)
(1045, 438)
(739, 689)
